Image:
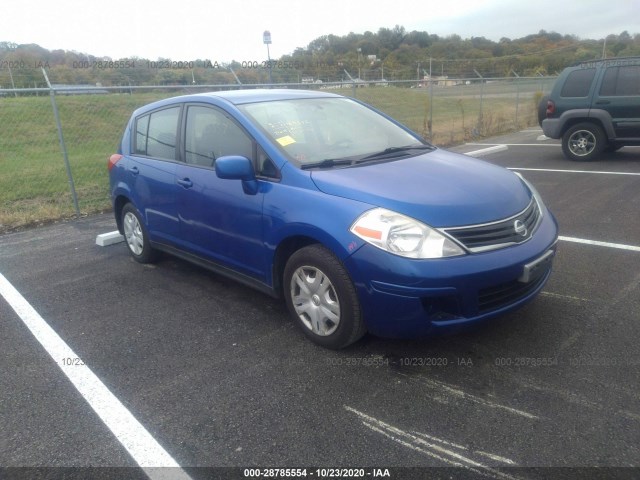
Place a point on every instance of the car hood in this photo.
(440, 188)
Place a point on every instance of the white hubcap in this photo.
(133, 233)
(315, 300)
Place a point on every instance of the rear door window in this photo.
(621, 81)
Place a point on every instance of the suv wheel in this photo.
(583, 142)
(322, 299)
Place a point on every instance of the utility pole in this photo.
(430, 103)
(266, 39)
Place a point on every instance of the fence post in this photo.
(517, 95)
(480, 126)
(430, 125)
(52, 95)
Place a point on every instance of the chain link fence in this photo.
(55, 142)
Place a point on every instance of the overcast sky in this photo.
(232, 29)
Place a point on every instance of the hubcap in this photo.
(582, 143)
(133, 233)
(315, 300)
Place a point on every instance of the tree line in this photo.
(388, 54)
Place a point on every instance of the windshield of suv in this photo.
(329, 132)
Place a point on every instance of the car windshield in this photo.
(330, 132)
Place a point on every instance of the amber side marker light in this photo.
(113, 159)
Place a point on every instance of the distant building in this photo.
(440, 81)
(63, 89)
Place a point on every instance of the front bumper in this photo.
(403, 298)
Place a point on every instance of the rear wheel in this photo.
(136, 236)
(583, 142)
(322, 299)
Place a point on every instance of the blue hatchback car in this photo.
(355, 220)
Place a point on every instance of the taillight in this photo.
(551, 108)
(113, 159)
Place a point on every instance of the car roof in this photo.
(237, 97)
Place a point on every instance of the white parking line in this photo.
(144, 449)
(601, 172)
(441, 450)
(487, 151)
(597, 243)
(444, 388)
(517, 144)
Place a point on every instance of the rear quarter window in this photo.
(156, 134)
(578, 83)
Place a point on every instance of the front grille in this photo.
(503, 295)
(489, 236)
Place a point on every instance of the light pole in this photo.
(266, 39)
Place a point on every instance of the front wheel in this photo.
(322, 299)
(583, 142)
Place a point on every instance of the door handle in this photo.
(134, 170)
(603, 102)
(185, 182)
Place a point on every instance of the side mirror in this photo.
(235, 167)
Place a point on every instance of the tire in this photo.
(542, 109)
(322, 299)
(583, 142)
(136, 236)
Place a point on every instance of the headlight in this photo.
(402, 235)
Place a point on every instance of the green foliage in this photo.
(390, 52)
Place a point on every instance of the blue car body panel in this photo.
(232, 231)
(404, 297)
(435, 188)
(189, 208)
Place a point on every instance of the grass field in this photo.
(456, 110)
(34, 187)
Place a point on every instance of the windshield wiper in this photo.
(390, 152)
(393, 151)
(327, 163)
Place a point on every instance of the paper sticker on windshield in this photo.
(286, 140)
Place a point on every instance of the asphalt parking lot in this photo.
(214, 374)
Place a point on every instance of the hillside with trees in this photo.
(389, 53)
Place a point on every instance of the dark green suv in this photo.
(594, 107)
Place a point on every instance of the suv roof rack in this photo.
(613, 60)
